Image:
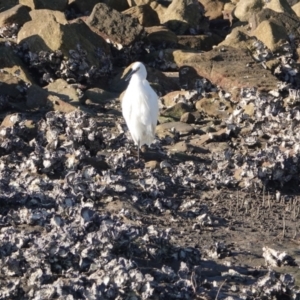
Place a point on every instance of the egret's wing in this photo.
(150, 101)
(126, 108)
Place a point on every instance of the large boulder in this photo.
(230, 68)
(183, 16)
(246, 8)
(289, 21)
(120, 28)
(50, 32)
(271, 34)
(145, 14)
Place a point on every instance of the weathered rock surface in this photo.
(289, 22)
(62, 90)
(145, 14)
(229, 68)
(181, 16)
(271, 34)
(245, 9)
(120, 28)
(239, 39)
(45, 32)
(296, 9)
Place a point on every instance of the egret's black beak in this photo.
(130, 73)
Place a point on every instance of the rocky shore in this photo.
(211, 211)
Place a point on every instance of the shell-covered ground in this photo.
(211, 210)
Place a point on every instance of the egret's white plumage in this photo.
(140, 106)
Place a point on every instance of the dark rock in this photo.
(86, 7)
(11, 85)
(40, 4)
(18, 14)
(7, 4)
(119, 28)
(36, 97)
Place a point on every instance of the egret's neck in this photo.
(136, 78)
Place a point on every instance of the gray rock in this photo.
(121, 29)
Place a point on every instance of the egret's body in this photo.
(140, 106)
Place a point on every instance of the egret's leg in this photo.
(139, 145)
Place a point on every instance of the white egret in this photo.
(140, 107)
